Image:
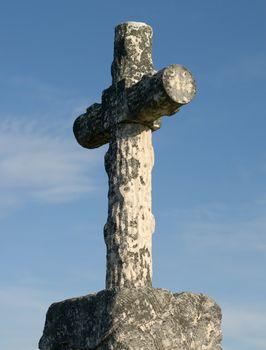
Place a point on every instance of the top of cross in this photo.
(138, 93)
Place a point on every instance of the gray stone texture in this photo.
(130, 223)
(130, 314)
(128, 113)
(133, 319)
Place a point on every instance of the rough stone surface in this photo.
(130, 314)
(129, 111)
(130, 224)
(133, 319)
(132, 53)
(138, 93)
(154, 96)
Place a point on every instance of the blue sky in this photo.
(209, 179)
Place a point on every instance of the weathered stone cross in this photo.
(130, 110)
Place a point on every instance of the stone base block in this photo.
(133, 319)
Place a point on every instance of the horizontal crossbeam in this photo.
(144, 103)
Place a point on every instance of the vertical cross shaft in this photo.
(130, 223)
(129, 162)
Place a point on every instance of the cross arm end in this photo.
(163, 93)
(88, 129)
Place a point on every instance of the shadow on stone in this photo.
(127, 319)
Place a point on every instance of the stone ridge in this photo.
(133, 319)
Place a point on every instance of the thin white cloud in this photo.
(249, 68)
(232, 228)
(39, 157)
(245, 325)
(42, 163)
(22, 316)
(21, 297)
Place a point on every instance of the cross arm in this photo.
(162, 93)
(88, 128)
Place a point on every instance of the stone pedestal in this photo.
(133, 319)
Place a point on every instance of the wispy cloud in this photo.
(21, 297)
(42, 163)
(22, 316)
(230, 227)
(245, 325)
(242, 69)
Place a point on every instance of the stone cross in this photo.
(130, 110)
(129, 313)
